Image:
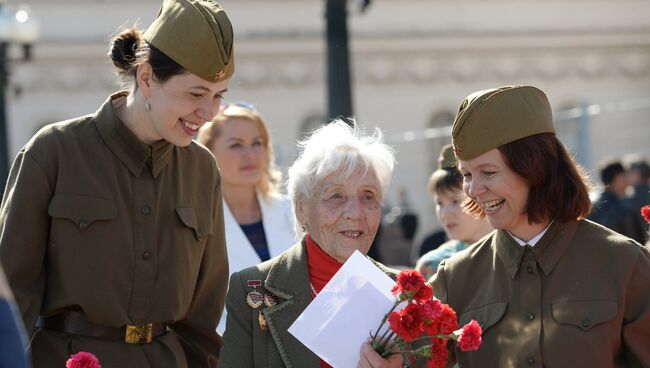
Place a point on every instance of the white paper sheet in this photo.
(340, 318)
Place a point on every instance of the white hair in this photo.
(337, 146)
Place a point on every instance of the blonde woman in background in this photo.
(258, 219)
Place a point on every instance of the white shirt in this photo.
(277, 219)
(532, 241)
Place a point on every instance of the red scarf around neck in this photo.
(322, 268)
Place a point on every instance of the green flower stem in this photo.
(388, 350)
(388, 335)
(383, 321)
(415, 352)
(439, 336)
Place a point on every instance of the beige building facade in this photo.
(413, 61)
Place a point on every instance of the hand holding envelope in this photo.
(339, 320)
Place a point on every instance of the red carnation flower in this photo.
(469, 338)
(425, 293)
(445, 324)
(411, 284)
(430, 310)
(439, 353)
(406, 323)
(83, 360)
(645, 211)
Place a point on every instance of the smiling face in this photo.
(457, 223)
(179, 106)
(240, 152)
(500, 192)
(343, 213)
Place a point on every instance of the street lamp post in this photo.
(339, 94)
(16, 27)
(339, 90)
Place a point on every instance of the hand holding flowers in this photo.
(423, 318)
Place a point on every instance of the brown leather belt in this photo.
(76, 323)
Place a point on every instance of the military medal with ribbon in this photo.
(254, 298)
(270, 300)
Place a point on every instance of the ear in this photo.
(144, 78)
(301, 212)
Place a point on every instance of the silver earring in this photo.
(147, 106)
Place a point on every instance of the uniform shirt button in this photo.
(529, 269)
(83, 224)
(531, 316)
(146, 255)
(585, 323)
(530, 361)
(145, 210)
(199, 234)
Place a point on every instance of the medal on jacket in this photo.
(254, 298)
(270, 300)
(262, 321)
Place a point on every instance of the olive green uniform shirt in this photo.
(94, 220)
(579, 298)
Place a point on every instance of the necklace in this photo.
(313, 290)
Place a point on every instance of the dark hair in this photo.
(637, 163)
(129, 50)
(443, 180)
(642, 167)
(609, 169)
(559, 187)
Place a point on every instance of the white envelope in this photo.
(339, 320)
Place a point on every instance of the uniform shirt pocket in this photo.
(584, 314)
(198, 220)
(82, 211)
(487, 315)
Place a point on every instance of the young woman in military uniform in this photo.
(111, 225)
(549, 288)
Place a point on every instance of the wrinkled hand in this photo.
(370, 359)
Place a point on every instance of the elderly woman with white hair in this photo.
(337, 186)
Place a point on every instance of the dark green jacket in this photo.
(579, 298)
(245, 343)
(94, 220)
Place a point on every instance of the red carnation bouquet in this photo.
(424, 318)
(83, 360)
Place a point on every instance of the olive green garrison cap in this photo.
(491, 118)
(446, 159)
(196, 34)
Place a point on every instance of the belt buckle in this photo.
(139, 334)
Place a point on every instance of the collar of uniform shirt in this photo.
(532, 241)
